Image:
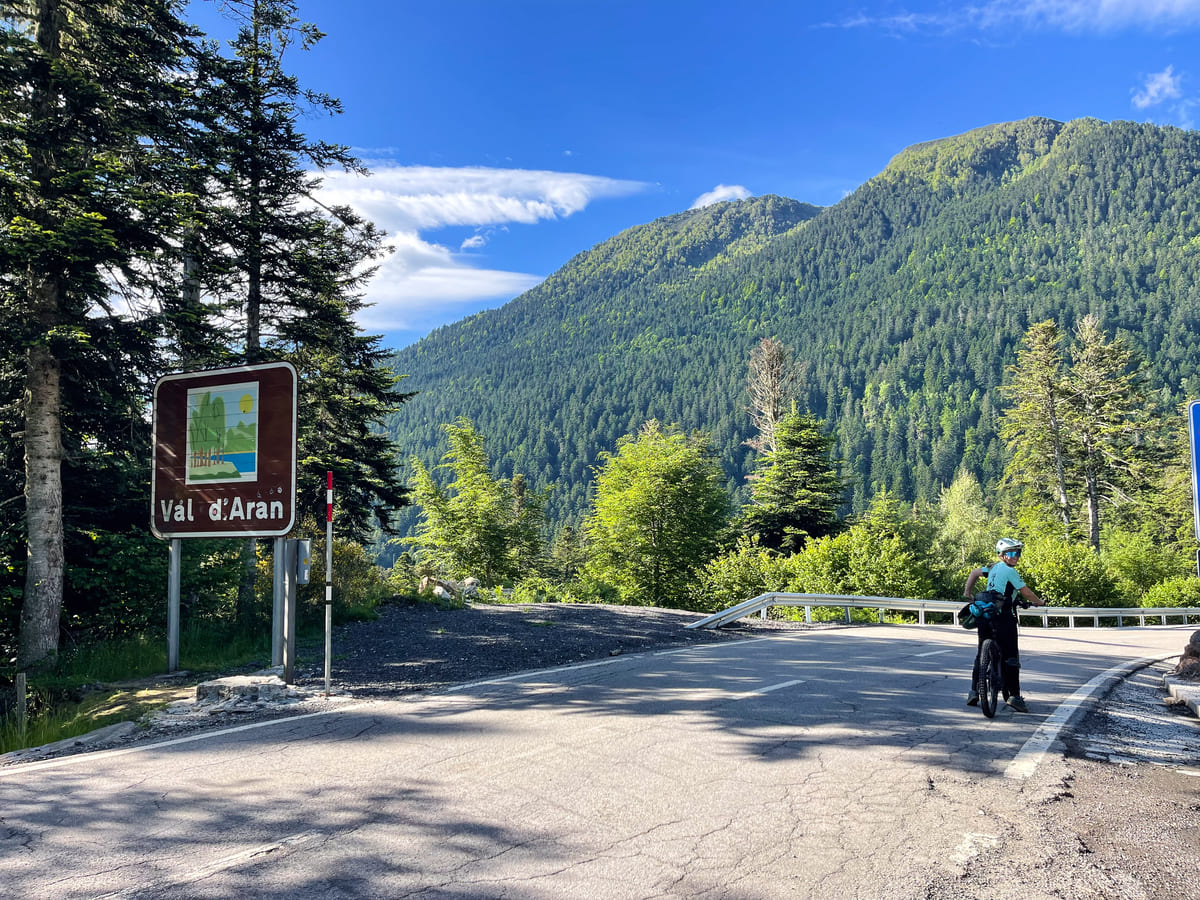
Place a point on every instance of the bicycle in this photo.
(991, 675)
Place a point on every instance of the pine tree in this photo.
(1109, 405)
(1036, 425)
(477, 525)
(797, 490)
(290, 271)
(772, 384)
(93, 111)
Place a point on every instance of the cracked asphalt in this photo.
(785, 764)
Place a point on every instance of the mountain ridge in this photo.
(905, 301)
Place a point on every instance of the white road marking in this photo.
(938, 652)
(538, 674)
(1034, 750)
(774, 687)
(90, 756)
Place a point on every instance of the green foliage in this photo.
(1174, 592)
(744, 572)
(93, 118)
(966, 536)
(907, 301)
(861, 562)
(660, 514)
(1137, 565)
(537, 589)
(359, 585)
(290, 271)
(1068, 574)
(796, 493)
(478, 526)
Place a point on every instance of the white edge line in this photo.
(34, 766)
(695, 648)
(537, 673)
(1034, 750)
(22, 768)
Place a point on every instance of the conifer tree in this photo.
(1078, 428)
(93, 110)
(1036, 425)
(797, 490)
(771, 384)
(1109, 405)
(477, 525)
(290, 271)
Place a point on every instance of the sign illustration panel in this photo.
(225, 453)
(222, 434)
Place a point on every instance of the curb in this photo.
(1185, 691)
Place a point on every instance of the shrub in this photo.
(537, 589)
(1180, 590)
(745, 572)
(1136, 565)
(1066, 574)
(861, 562)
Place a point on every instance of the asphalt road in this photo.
(833, 763)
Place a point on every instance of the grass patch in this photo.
(115, 681)
(67, 719)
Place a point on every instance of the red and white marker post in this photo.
(328, 577)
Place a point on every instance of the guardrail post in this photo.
(808, 615)
(846, 610)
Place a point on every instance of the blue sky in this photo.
(505, 137)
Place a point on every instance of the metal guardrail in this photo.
(763, 602)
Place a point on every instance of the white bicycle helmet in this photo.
(1007, 545)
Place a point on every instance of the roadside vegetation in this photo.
(171, 228)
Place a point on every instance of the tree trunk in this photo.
(1092, 489)
(42, 604)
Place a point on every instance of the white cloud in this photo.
(419, 278)
(721, 193)
(1064, 15)
(1161, 86)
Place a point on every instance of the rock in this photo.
(249, 687)
(1189, 662)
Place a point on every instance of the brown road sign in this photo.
(225, 453)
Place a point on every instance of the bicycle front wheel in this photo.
(989, 677)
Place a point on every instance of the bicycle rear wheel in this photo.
(989, 677)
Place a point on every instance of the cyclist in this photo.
(1003, 578)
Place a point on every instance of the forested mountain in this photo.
(905, 302)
